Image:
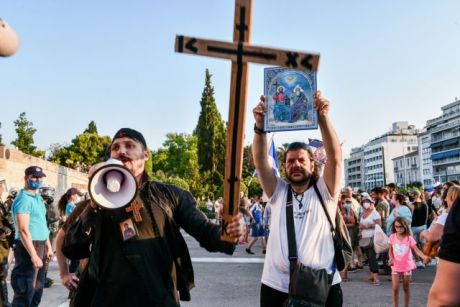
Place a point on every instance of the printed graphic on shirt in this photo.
(400, 249)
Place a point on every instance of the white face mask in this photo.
(366, 205)
(437, 202)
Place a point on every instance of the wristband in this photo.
(258, 130)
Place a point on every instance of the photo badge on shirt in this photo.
(128, 230)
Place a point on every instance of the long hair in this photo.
(453, 193)
(401, 199)
(404, 224)
(62, 203)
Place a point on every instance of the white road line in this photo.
(227, 260)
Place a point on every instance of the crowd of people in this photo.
(413, 222)
(136, 254)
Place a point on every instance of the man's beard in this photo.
(299, 181)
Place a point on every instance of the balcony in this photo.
(451, 160)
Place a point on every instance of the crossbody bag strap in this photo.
(325, 210)
(292, 245)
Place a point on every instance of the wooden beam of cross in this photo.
(241, 53)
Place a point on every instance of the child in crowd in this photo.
(401, 246)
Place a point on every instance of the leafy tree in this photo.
(178, 156)
(149, 164)
(211, 135)
(25, 136)
(85, 150)
(248, 163)
(178, 159)
(91, 128)
(178, 182)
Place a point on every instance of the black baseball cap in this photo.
(130, 133)
(34, 171)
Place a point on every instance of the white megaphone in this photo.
(112, 186)
(9, 41)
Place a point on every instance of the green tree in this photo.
(25, 136)
(91, 128)
(211, 135)
(85, 150)
(178, 159)
(248, 163)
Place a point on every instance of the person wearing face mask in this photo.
(367, 223)
(31, 246)
(66, 203)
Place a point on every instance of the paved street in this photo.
(235, 281)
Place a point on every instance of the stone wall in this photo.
(13, 163)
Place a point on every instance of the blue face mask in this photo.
(34, 184)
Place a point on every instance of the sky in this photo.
(114, 62)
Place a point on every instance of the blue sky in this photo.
(114, 62)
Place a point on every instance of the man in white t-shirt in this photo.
(315, 246)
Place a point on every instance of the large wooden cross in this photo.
(241, 52)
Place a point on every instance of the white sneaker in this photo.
(433, 262)
(420, 265)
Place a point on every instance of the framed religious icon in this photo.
(289, 99)
(128, 230)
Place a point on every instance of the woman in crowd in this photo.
(419, 220)
(351, 222)
(401, 209)
(66, 203)
(435, 232)
(367, 223)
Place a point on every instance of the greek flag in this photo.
(315, 143)
(272, 160)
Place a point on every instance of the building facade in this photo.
(407, 169)
(445, 143)
(354, 171)
(424, 156)
(377, 156)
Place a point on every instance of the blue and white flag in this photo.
(315, 143)
(272, 160)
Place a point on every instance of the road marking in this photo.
(227, 260)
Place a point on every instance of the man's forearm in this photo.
(259, 150)
(26, 240)
(62, 260)
(330, 140)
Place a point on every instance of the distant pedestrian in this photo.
(258, 231)
(367, 223)
(401, 247)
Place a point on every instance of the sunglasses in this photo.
(398, 226)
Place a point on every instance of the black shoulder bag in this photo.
(308, 287)
(343, 250)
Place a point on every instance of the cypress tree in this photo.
(211, 135)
